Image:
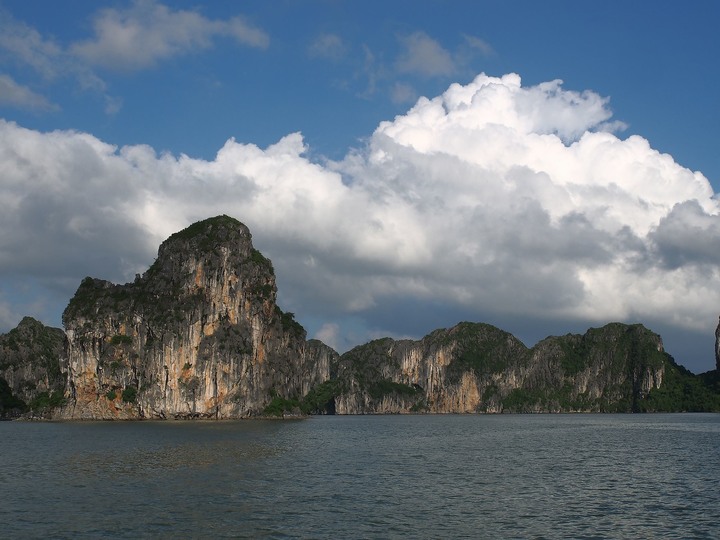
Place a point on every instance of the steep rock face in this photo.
(30, 373)
(198, 335)
(479, 368)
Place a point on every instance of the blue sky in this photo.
(657, 65)
(388, 218)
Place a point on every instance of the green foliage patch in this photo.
(681, 391)
(8, 401)
(279, 406)
(259, 259)
(95, 297)
(264, 291)
(289, 324)
(120, 339)
(385, 387)
(482, 349)
(320, 400)
(45, 401)
(208, 229)
(129, 394)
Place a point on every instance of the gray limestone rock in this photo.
(198, 335)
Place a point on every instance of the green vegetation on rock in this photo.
(321, 399)
(46, 401)
(615, 368)
(386, 387)
(208, 233)
(10, 404)
(682, 391)
(279, 406)
(482, 349)
(120, 339)
(129, 394)
(30, 357)
(289, 324)
(204, 313)
(259, 259)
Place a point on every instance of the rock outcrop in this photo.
(30, 368)
(198, 335)
(479, 368)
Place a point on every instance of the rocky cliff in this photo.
(479, 368)
(198, 335)
(30, 368)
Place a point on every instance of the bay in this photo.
(444, 476)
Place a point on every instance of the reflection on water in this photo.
(552, 476)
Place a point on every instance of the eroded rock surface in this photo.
(479, 368)
(198, 335)
(30, 368)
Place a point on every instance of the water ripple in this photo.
(549, 476)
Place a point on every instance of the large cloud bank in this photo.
(495, 198)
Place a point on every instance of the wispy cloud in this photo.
(403, 93)
(422, 55)
(372, 72)
(148, 32)
(478, 44)
(23, 45)
(131, 39)
(329, 46)
(15, 95)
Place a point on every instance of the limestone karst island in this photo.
(199, 335)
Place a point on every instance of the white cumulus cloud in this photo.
(492, 201)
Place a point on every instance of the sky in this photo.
(545, 167)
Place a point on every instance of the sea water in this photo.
(425, 476)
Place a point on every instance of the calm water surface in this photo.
(516, 476)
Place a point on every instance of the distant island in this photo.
(199, 335)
